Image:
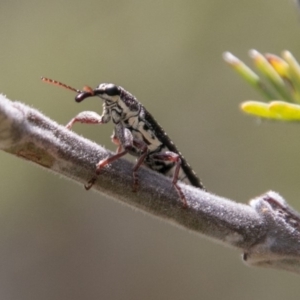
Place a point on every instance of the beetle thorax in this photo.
(120, 110)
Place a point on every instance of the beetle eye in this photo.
(112, 90)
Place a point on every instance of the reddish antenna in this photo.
(86, 88)
(48, 80)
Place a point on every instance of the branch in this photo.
(267, 231)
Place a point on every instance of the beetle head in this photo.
(107, 91)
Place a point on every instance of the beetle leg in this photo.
(86, 117)
(120, 135)
(143, 151)
(169, 156)
(102, 163)
(133, 146)
(116, 141)
(127, 144)
(90, 117)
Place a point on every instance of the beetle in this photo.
(136, 132)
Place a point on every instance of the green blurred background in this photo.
(58, 241)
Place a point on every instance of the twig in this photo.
(267, 230)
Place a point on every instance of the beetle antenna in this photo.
(48, 80)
